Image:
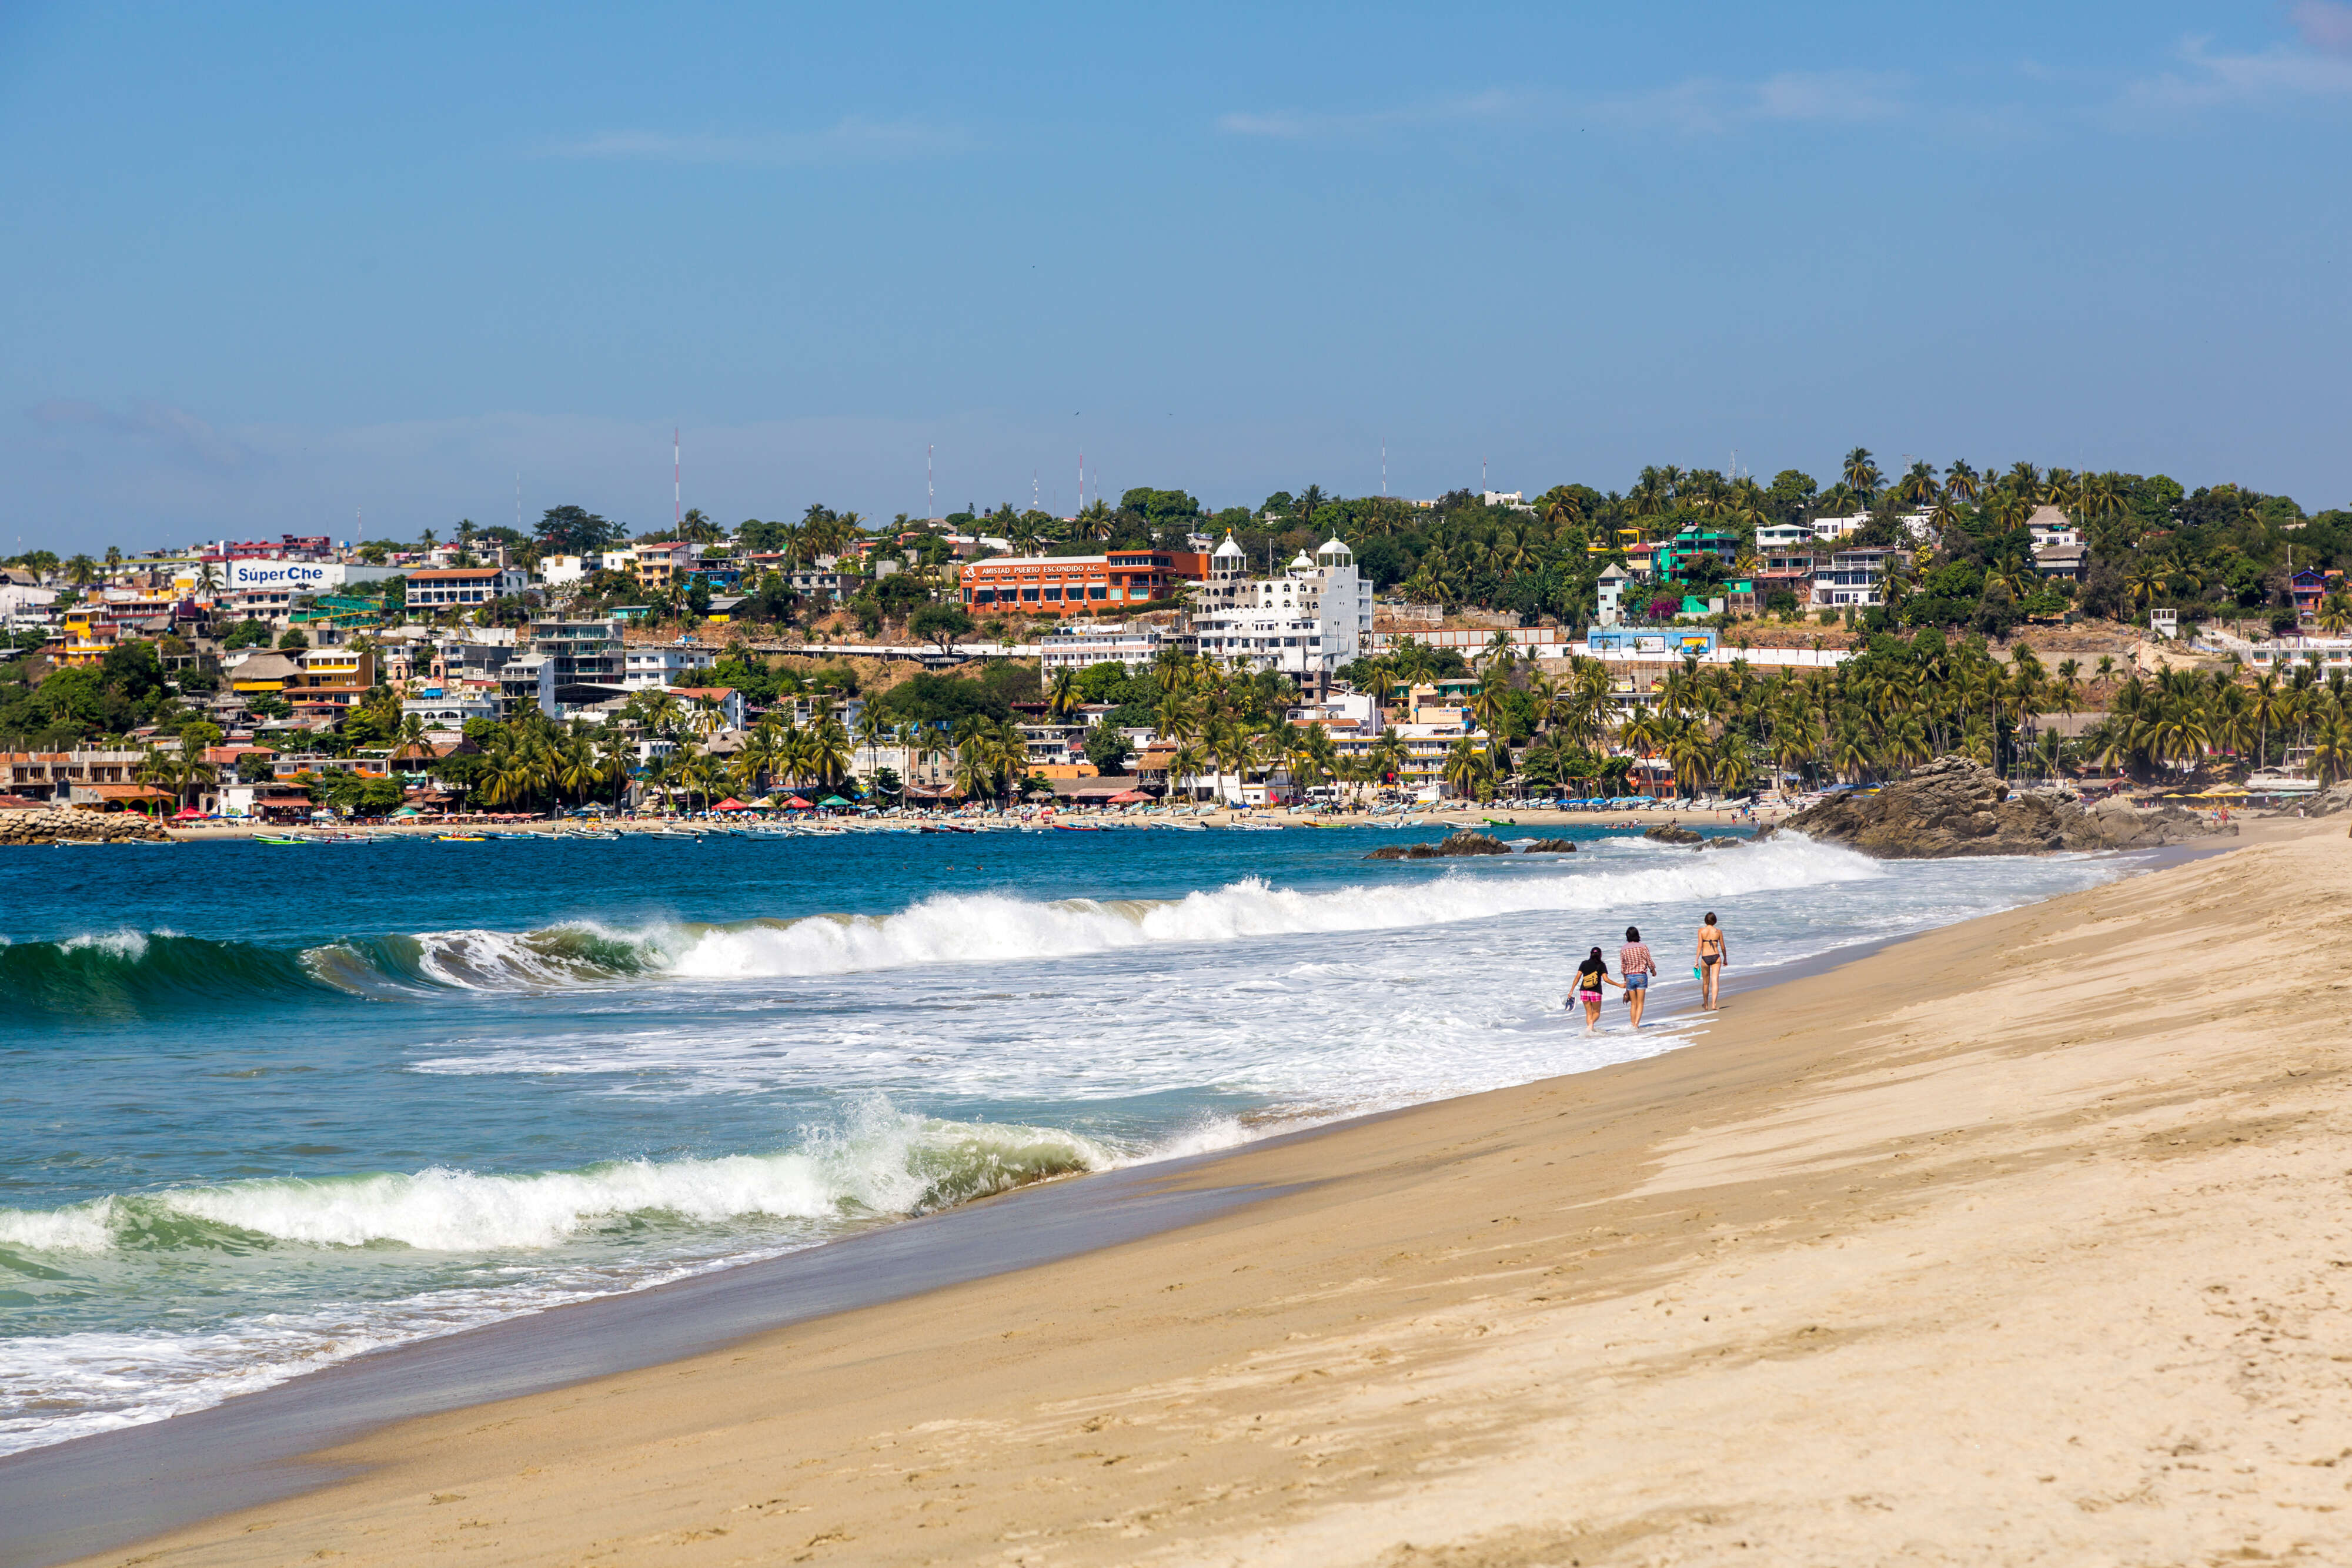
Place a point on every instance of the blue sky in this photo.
(269, 267)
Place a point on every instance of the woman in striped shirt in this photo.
(1634, 962)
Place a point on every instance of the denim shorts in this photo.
(1637, 982)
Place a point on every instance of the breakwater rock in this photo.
(1462, 843)
(1667, 834)
(76, 826)
(1957, 807)
(1548, 847)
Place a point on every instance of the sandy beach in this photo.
(2021, 1241)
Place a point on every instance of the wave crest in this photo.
(132, 974)
(885, 1163)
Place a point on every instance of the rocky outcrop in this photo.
(1957, 807)
(1462, 843)
(55, 826)
(1667, 834)
(2326, 803)
(1548, 847)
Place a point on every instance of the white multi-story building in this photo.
(558, 570)
(1315, 617)
(1134, 646)
(656, 668)
(1851, 577)
(1782, 536)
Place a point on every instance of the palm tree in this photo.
(80, 571)
(1918, 487)
(1061, 693)
(1466, 766)
(1861, 472)
(1960, 481)
(193, 766)
(617, 752)
(2335, 613)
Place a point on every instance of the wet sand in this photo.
(2019, 1242)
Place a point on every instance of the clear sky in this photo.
(268, 266)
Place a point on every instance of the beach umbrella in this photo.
(797, 804)
(1128, 798)
(729, 804)
(185, 813)
(832, 801)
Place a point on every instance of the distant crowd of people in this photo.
(1637, 968)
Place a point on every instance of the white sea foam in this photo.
(886, 1162)
(79, 1228)
(130, 946)
(978, 927)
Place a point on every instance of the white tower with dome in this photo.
(1314, 618)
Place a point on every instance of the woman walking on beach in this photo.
(1714, 953)
(1634, 962)
(1590, 976)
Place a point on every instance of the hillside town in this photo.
(1697, 636)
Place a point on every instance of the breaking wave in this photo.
(132, 974)
(885, 1163)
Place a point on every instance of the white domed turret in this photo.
(1228, 548)
(1334, 553)
(1302, 562)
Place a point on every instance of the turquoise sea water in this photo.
(269, 1107)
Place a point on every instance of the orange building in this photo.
(1077, 584)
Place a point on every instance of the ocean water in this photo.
(264, 1108)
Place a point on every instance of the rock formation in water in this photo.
(1462, 843)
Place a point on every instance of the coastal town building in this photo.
(1470, 641)
(53, 776)
(1314, 618)
(1612, 592)
(1856, 577)
(1077, 584)
(463, 587)
(1135, 645)
(660, 666)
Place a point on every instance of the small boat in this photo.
(460, 838)
(277, 838)
(1075, 828)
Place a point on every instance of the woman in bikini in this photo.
(1713, 955)
(1590, 976)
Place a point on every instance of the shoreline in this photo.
(1292, 1177)
(55, 1485)
(1473, 818)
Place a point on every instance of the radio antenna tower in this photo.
(517, 500)
(676, 482)
(1082, 481)
(1384, 470)
(930, 491)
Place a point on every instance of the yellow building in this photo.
(88, 637)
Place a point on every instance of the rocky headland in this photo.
(1957, 807)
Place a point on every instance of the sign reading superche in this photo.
(303, 576)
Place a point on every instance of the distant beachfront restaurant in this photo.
(1078, 584)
